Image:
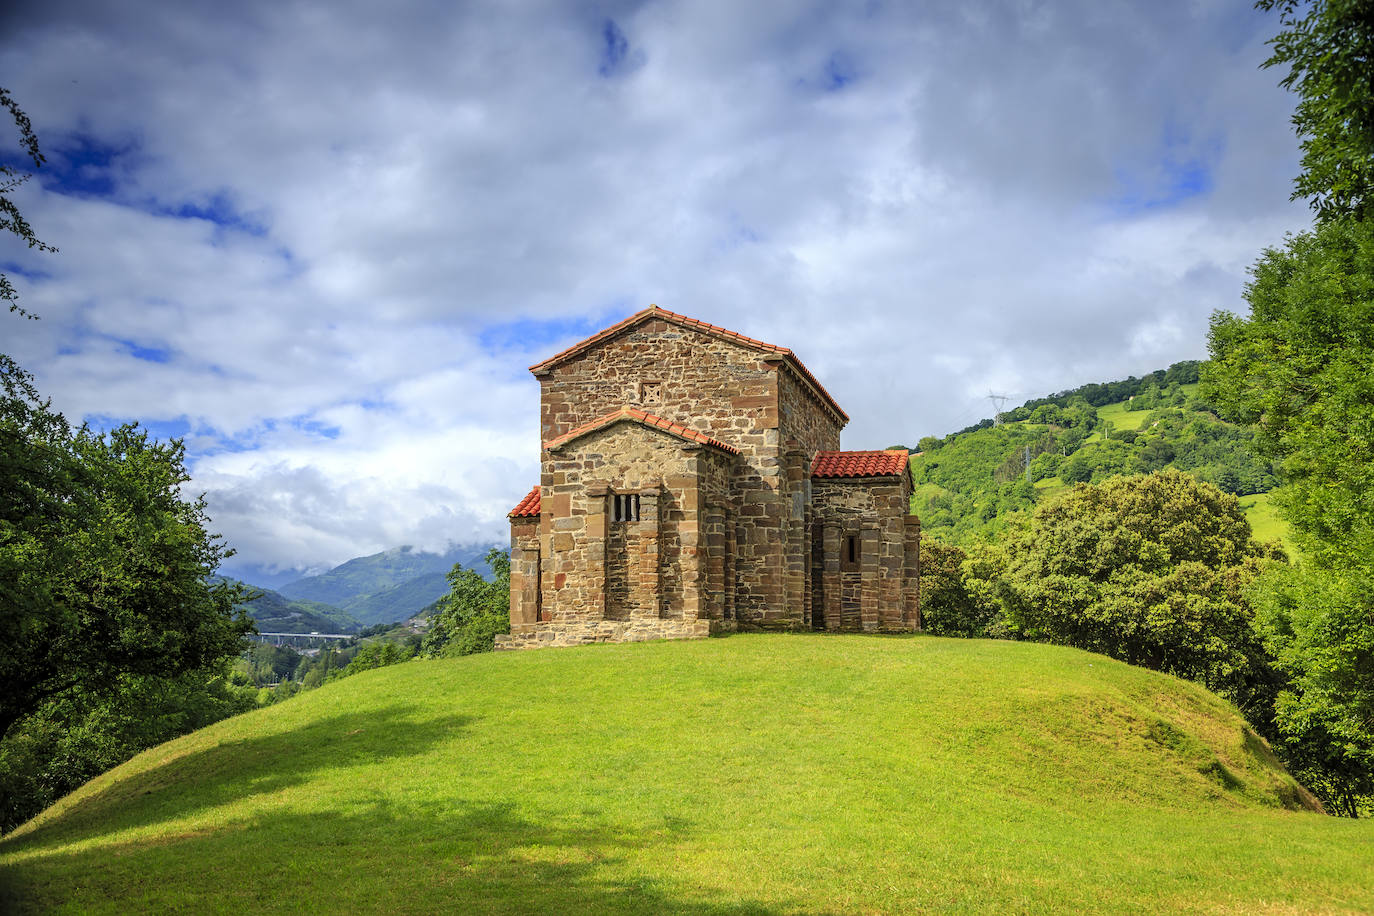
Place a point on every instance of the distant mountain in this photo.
(262, 575)
(388, 586)
(276, 613)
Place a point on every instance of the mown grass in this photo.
(755, 774)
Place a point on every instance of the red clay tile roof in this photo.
(860, 464)
(527, 506)
(648, 419)
(654, 311)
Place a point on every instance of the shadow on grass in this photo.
(234, 770)
(380, 857)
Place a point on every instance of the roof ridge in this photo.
(783, 353)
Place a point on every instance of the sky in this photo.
(323, 242)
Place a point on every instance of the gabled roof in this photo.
(527, 506)
(634, 415)
(891, 463)
(653, 311)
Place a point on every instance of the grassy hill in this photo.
(755, 774)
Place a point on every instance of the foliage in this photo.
(757, 774)
(379, 655)
(1152, 570)
(1301, 369)
(276, 613)
(468, 618)
(1317, 624)
(1328, 47)
(11, 220)
(72, 739)
(103, 565)
(970, 484)
(949, 606)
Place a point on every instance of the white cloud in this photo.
(926, 204)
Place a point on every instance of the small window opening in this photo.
(625, 507)
(849, 557)
(650, 392)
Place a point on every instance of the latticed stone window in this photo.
(625, 507)
(651, 392)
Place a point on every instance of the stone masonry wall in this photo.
(876, 596)
(726, 391)
(596, 569)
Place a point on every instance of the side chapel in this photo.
(691, 482)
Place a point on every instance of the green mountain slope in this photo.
(388, 586)
(275, 613)
(968, 484)
(403, 601)
(756, 774)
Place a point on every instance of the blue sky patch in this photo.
(614, 47)
(161, 430)
(84, 166)
(839, 72)
(1184, 169)
(315, 428)
(532, 335)
(147, 354)
(217, 209)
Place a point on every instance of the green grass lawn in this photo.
(1266, 522)
(755, 774)
(1116, 416)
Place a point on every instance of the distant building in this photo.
(691, 481)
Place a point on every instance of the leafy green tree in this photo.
(104, 567)
(1317, 623)
(948, 606)
(72, 739)
(467, 619)
(1328, 47)
(1300, 368)
(1152, 570)
(11, 220)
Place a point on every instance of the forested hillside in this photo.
(386, 587)
(276, 613)
(968, 483)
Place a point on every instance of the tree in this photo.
(467, 619)
(1328, 47)
(104, 567)
(1317, 624)
(1300, 368)
(11, 219)
(948, 606)
(72, 739)
(1152, 570)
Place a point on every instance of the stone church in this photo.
(691, 482)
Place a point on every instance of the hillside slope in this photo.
(969, 483)
(276, 613)
(755, 774)
(388, 586)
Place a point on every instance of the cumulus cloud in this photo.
(324, 241)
